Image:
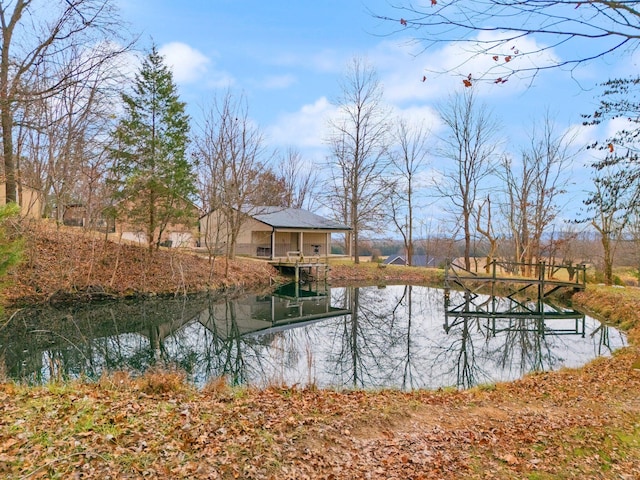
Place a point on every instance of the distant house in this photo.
(175, 234)
(272, 232)
(77, 215)
(416, 260)
(30, 200)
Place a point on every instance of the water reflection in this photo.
(365, 337)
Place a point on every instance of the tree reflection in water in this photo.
(368, 337)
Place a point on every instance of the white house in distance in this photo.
(272, 232)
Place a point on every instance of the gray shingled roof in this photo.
(281, 217)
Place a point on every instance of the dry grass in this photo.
(82, 265)
(159, 380)
(345, 271)
(615, 305)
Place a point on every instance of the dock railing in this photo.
(548, 278)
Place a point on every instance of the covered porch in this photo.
(290, 245)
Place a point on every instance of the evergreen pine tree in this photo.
(153, 174)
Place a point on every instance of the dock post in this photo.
(446, 289)
(541, 276)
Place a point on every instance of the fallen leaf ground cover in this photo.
(574, 423)
(70, 263)
(569, 424)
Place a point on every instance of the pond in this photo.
(353, 337)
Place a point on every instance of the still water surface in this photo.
(367, 337)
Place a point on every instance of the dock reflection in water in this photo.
(370, 337)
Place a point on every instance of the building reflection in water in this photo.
(367, 337)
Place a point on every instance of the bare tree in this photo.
(231, 154)
(470, 146)
(407, 162)
(300, 180)
(64, 140)
(497, 29)
(533, 188)
(488, 231)
(36, 33)
(566, 245)
(358, 141)
(634, 232)
(609, 210)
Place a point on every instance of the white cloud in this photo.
(401, 70)
(421, 115)
(277, 82)
(584, 135)
(464, 60)
(305, 128)
(188, 64)
(219, 80)
(324, 61)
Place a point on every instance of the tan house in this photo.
(30, 200)
(272, 232)
(178, 234)
(77, 215)
(174, 235)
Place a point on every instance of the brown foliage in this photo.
(85, 265)
(568, 424)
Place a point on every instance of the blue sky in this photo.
(287, 59)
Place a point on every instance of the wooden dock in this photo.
(536, 281)
(508, 300)
(305, 269)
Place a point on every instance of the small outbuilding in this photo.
(416, 260)
(274, 232)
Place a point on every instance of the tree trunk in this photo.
(467, 242)
(608, 260)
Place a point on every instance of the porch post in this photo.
(327, 248)
(273, 243)
(301, 244)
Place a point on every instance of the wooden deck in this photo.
(304, 268)
(546, 279)
(477, 295)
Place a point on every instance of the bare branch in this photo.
(497, 29)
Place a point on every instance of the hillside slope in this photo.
(71, 261)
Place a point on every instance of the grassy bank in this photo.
(68, 263)
(617, 306)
